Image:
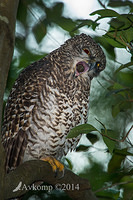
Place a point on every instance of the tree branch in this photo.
(8, 11)
(37, 170)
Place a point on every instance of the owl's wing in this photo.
(15, 148)
(18, 113)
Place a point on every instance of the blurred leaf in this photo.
(119, 90)
(20, 43)
(116, 3)
(105, 13)
(84, 128)
(110, 133)
(128, 187)
(124, 66)
(116, 23)
(125, 21)
(69, 163)
(96, 175)
(82, 148)
(123, 152)
(88, 23)
(102, 125)
(129, 36)
(28, 57)
(126, 78)
(118, 157)
(66, 24)
(121, 106)
(109, 48)
(120, 32)
(115, 110)
(125, 106)
(111, 38)
(39, 31)
(22, 11)
(58, 9)
(116, 87)
(92, 138)
(109, 194)
(54, 15)
(109, 143)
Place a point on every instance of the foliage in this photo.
(118, 176)
(35, 18)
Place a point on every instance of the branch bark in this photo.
(37, 170)
(8, 10)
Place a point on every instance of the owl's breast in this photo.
(53, 117)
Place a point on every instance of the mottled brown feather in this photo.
(46, 101)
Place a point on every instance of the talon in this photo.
(55, 164)
(63, 172)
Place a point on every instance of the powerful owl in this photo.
(49, 98)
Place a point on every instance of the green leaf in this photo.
(115, 109)
(120, 3)
(28, 57)
(118, 89)
(123, 152)
(125, 21)
(84, 128)
(110, 37)
(109, 48)
(96, 174)
(82, 148)
(66, 24)
(39, 31)
(92, 138)
(88, 23)
(58, 8)
(22, 12)
(109, 143)
(129, 36)
(106, 13)
(124, 66)
(121, 106)
(126, 78)
(116, 23)
(117, 86)
(69, 163)
(118, 157)
(120, 32)
(102, 125)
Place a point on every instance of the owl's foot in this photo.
(55, 164)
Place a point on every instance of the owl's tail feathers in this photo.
(55, 164)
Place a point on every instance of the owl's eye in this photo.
(98, 64)
(80, 68)
(86, 51)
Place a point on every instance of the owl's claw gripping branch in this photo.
(55, 164)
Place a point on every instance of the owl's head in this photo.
(84, 57)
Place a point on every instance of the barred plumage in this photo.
(50, 97)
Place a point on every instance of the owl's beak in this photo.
(92, 66)
(93, 70)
